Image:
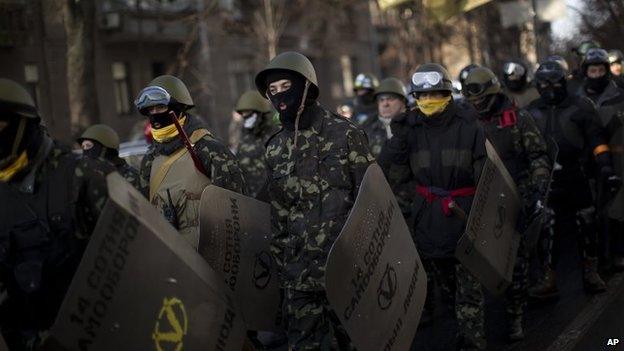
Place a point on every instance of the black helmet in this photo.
(464, 73)
(596, 56)
(551, 72)
(560, 60)
(430, 77)
(515, 75)
(365, 81)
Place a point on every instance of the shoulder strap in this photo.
(164, 169)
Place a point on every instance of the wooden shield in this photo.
(375, 281)
(235, 233)
(489, 246)
(140, 286)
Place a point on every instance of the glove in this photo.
(610, 180)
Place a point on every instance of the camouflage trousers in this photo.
(459, 288)
(310, 322)
(517, 293)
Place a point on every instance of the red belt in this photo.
(446, 197)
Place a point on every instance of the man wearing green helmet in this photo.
(391, 102)
(184, 157)
(50, 204)
(316, 163)
(440, 148)
(364, 106)
(102, 142)
(258, 127)
(523, 150)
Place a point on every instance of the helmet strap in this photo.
(300, 109)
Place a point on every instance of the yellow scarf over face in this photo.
(430, 107)
(20, 163)
(167, 133)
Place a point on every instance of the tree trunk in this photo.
(79, 18)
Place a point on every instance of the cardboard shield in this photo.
(235, 233)
(141, 286)
(489, 246)
(375, 281)
(534, 229)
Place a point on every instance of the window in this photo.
(121, 88)
(31, 77)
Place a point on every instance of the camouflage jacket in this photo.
(129, 173)
(251, 153)
(223, 167)
(47, 215)
(312, 188)
(376, 133)
(520, 145)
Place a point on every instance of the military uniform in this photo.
(315, 164)
(106, 149)
(170, 178)
(443, 154)
(523, 150)
(50, 207)
(251, 148)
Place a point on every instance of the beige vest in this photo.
(177, 173)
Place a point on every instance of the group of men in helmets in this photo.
(307, 162)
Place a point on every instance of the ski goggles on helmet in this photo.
(596, 56)
(363, 81)
(551, 72)
(514, 70)
(152, 96)
(426, 79)
(476, 89)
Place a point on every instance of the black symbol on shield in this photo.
(262, 270)
(387, 288)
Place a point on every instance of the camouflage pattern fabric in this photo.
(376, 133)
(224, 170)
(311, 323)
(312, 187)
(517, 292)
(129, 173)
(461, 289)
(251, 153)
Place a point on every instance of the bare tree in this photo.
(79, 19)
(270, 21)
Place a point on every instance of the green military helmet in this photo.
(252, 101)
(584, 47)
(365, 81)
(481, 82)
(175, 87)
(15, 98)
(103, 134)
(392, 85)
(290, 61)
(430, 77)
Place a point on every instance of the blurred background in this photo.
(85, 60)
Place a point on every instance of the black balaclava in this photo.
(487, 105)
(291, 98)
(366, 99)
(597, 85)
(163, 119)
(516, 85)
(96, 151)
(553, 95)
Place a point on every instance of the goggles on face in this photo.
(513, 69)
(550, 72)
(152, 96)
(475, 89)
(426, 79)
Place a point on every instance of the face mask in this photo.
(291, 98)
(167, 133)
(250, 121)
(12, 140)
(95, 151)
(553, 95)
(484, 105)
(597, 85)
(430, 107)
(367, 98)
(160, 120)
(514, 85)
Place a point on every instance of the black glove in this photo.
(610, 180)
